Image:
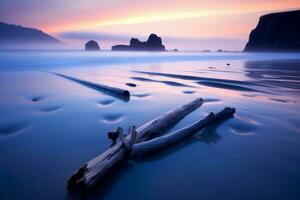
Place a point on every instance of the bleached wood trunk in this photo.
(92, 171)
(171, 138)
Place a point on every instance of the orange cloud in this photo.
(138, 12)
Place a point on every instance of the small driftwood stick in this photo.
(133, 135)
(112, 91)
(88, 175)
(122, 138)
(171, 138)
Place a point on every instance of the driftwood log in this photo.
(112, 91)
(176, 136)
(88, 175)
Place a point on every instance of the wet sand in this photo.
(50, 125)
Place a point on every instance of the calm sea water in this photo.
(50, 126)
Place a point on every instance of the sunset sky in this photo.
(188, 25)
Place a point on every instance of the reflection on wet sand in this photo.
(11, 128)
(49, 109)
(246, 86)
(280, 74)
(112, 118)
(197, 78)
(188, 92)
(228, 86)
(142, 95)
(106, 102)
(170, 83)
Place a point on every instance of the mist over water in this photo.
(47, 59)
(50, 125)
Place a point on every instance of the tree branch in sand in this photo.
(174, 137)
(97, 168)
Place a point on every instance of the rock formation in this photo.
(154, 43)
(276, 32)
(92, 46)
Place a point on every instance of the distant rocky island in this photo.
(92, 46)
(18, 35)
(154, 43)
(276, 32)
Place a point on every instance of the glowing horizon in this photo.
(193, 18)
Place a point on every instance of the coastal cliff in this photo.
(154, 43)
(18, 35)
(276, 32)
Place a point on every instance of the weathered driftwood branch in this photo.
(112, 91)
(171, 138)
(92, 171)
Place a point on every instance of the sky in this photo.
(182, 24)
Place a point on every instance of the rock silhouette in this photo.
(154, 43)
(276, 32)
(92, 46)
(15, 34)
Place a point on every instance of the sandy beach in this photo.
(51, 125)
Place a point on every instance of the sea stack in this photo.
(92, 46)
(276, 32)
(154, 43)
